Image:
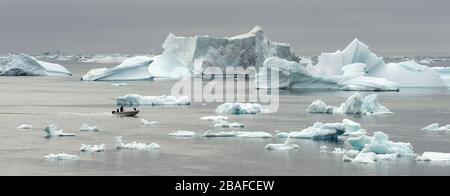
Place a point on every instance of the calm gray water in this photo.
(69, 102)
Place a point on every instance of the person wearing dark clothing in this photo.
(121, 109)
(134, 109)
(117, 109)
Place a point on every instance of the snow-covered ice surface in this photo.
(86, 127)
(136, 145)
(240, 108)
(434, 156)
(52, 130)
(436, 128)
(139, 100)
(25, 126)
(25, 65)
(355, 104)
(61, 157)
(92, 148)
(182, 133)
(287, 145)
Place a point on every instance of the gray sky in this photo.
(390, 27)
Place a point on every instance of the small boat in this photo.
(126, 113)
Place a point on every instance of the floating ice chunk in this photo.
(319, 131)
(371, 105)
(25, 126)
(136, 100)
(92, 148)
(387, 157)
(380, 144)
(288, 145)
(242, 134)
(435, 128)
(86, 127)
(318, 106)
(135, 68)
(240, 108)
(225, 124)
(52, 130)
(214, 118)
(146, 122)
(25, 65)
(323, 149)
(434, 156)
(352, 128)
(365, 157)
(338, 151)
(355, 104)
(135, 145)
(61, 156)
(119, 84)
(181, 133)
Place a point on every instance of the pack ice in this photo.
(25, 65)
(355, 104)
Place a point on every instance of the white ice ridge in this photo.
(287, 145)
(242, 134)
(25, 126)
(435, 128)
(214, 118)
(434, 156)
(243, 51)
(52, 131)
(86, 127)
(146, 122)
(25, 65)
(61, 156)
(355, 104)
(135, 145)
(137, 100)
(135, 68)
(181, 133)
(326, 131)
(92, 148)
(240, 108)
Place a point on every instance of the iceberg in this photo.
(135, 145)
(434, 156)
(243, 51)
(365, 157)
(435, 128)
(138, 100)
(242, 134)
(61, 156)
(240, 108)
(444, 72)
(355, 104)
(288, 145)
(25, 126)
(214, 118)
(135, 68)
(25, 65)
(52, 131)
(167, 66)
(146, 122)
(181, 133)
(379, 143)
(86, 127)
(92, 148)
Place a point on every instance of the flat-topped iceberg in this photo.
(240, 108)
(25, 65)
(138, 100)
(135, 68)
(355, 104)
(135, 145)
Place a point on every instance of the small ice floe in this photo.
(226, 124)
(136, 100)
(434, 156)
(323, 149)
(61, 156)
(379, 143)
(240, 108)
(326, 131)
(181, 133)
(436, 128)
(86, 127)
(338, 151)
(242, 134)
(135, 145)
(355, 104)
(146, 122)
(92, 148)
(52, 131)
(365, 157)
(214, 118)
(119, 84)
(288, 145)
(25, 126)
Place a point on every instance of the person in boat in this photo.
(121, 109)
(134, 109)
(117, 110)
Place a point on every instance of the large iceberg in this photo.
(243, 51)
(24, 65)
(355, 104)
(137, 100)
(135, 68)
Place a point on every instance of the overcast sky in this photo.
(390, 27)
